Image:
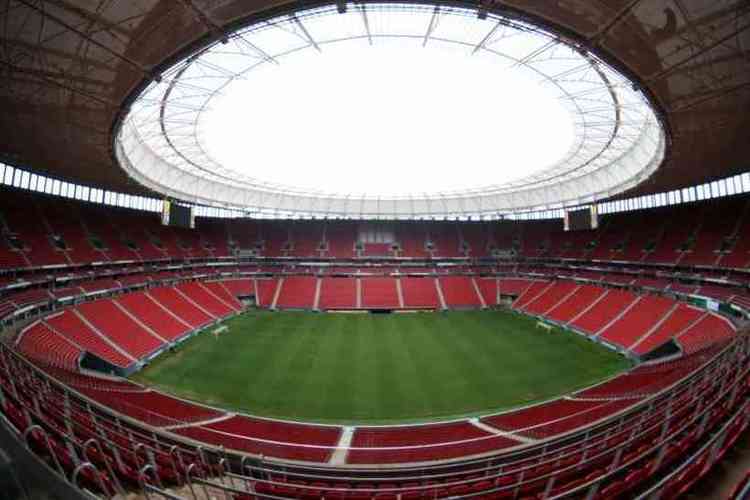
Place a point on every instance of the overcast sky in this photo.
(388, 119)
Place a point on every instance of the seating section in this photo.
(306, 239)
(275, 237)
(637, 321)
(534, 416)
(531, 293)
(373, 445)
(616, 425)
(645, 379)
(575, 304)
(489, 290)
(268, 437)
(154, 316)
(338, 293)
(420, 293)
(42, 344)
(239, 287)
(265, 291)
(445, 240)
(550, 298)
(604, 311)
(119, 327)
(51, 231)
(151, 407)
(710, 329)
(738, 255)
(376, 250)
(459, 291)
(201, 296)
(569, 423)
(220, 290)
(68, 324)
(678, 320)
(605, 431)
(340, 239)
(513, 286)
(178, 304)
(379, 293)
(297, 292)
(412, 239)
(24, 299)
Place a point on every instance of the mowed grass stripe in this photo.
(360, 368)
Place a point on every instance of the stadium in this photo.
(382, 249)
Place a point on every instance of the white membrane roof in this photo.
(391, 110)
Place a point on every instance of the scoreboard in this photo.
(177, 215)
(582, 219)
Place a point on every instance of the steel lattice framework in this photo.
(619, 141)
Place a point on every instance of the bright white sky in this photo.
(389, 119)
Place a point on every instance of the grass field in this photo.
(380, 368)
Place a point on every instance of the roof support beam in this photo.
(63, 85)
(709, 96)
(486, 38)
(669, 69)
(541, 50)
(736, 10)
(90, 17)
(366, 21)
(612, 24)
(55, 75)
(50, 52)
(219, 31)
(433, 24)
(204, 19)
(301, 26)
(86, 37)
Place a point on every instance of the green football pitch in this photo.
(366, 368)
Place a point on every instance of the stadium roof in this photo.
(617, 140)
(71, 71)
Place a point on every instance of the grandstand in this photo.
(619, 269)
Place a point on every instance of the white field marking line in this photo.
(200, 422)
(338, 457)
(499, 432)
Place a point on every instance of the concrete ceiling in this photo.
(69, 67)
